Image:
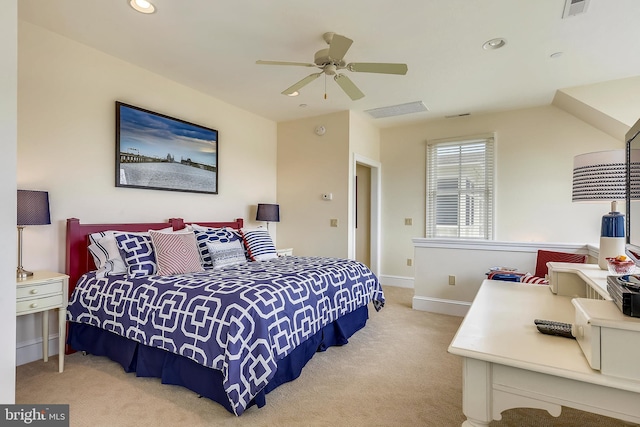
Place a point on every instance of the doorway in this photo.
(363, 214)
(365, 228)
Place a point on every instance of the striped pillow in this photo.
(176, 253)
(259, 244)
(534, 280)
(106, 255)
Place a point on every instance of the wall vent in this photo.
(574, 7)
(397, 110)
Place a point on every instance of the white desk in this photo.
(508, 364)
(578, 280)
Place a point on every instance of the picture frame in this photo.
(158, 152)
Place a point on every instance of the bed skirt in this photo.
(177, 370)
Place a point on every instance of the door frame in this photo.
(376, 189)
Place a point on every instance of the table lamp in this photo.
(268, 212)
(601, 176)
(33, 209)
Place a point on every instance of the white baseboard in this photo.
(398, 281)
(30, 351)
(442, 306)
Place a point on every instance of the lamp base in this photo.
(610, 247)
(22, 274)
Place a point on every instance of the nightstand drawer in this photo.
(39, 290)
(38, 304)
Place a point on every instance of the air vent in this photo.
(397, 110)
(574, 7)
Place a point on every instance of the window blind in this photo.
(460, 188)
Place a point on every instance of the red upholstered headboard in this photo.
(78, 259)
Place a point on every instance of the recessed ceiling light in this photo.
(494, 44)
(142, 6)
(296, 93)
(555, 55)
(302, 105)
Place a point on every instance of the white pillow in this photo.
(224, 254)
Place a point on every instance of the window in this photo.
(460, 188)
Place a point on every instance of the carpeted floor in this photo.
(394, 372)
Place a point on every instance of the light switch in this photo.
(408, 221)
(334, 222)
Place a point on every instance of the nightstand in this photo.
(45, 291)
(285, 252)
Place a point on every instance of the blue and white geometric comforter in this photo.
(240, 320)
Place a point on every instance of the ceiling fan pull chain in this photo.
(325, 86)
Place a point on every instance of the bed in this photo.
(232, 332)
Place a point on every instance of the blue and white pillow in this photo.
(215, 235)
(224, 254)
(259, 245)
(137, 252)
(105, 253)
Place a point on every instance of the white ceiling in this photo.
(212, 46)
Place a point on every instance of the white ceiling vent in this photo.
(397, 110)
(574, 7)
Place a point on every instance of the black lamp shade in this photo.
(268, 212)
(33, 208)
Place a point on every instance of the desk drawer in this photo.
(39, 290)
(587, 335)
(38, 304)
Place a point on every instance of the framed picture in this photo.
(158, 152)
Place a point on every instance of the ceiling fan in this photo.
(331, 60)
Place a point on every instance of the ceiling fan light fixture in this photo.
(142, 6)
(494, 44)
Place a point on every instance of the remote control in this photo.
(550, 322)
(557, 330)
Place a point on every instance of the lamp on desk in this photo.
(268, 212)
(597, 177)
(33, 209)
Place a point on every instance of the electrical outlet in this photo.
(334, 222)
(452, 280)
(409, 262)
(408, 221)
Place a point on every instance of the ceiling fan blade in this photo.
(378, 67)
(301, 64)
(339, 46)
(301, 83)
(348, 87)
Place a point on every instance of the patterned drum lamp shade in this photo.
(33, 209)
(598, 177)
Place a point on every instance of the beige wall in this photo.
(8, 136)
(310, 165)
(364, 146)
(66, 145)
(534, 160)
